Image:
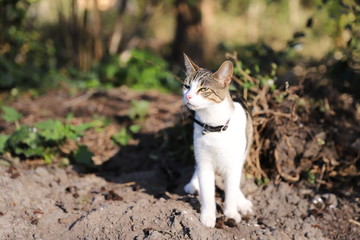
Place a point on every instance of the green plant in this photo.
(56, 131)
(125, 135)
(11, 115)
(3, 140)
(25, 60)
(144, 70)
(45, 138)
(139, 110)
(25, 142)
(310, 176)
(84, 156)
(262, 181)
(122, 137)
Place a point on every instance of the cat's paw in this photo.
(233, 214)
(191, 188)
(245, 206)
(208, 219)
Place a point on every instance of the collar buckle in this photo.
(224, 127)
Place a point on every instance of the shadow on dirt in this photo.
(161, 162)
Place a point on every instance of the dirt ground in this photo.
(136, 193)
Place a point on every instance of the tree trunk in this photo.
(208, 9)
(118, 28)
(96, 33)
(189, 35)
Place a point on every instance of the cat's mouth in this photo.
(191, 106)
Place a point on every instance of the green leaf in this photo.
(26, 142)
(135, 128)
(69, 116)
(139, 109)
(3, 140)
(310, 176)
(93, 83)
(70, 132)
(37, 151)
(10, 114)
(99, 123)
(51, 130)
(247, 85)
(48, 157)
(257, 68)
(84, 156)
(64, 162)
(81, 128)
(122, 137)
(32, 139)
(18, 136)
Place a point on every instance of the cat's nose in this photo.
(188, 97)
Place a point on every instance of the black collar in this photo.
(207, 128)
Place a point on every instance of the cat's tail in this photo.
(249, 133)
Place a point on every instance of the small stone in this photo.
(231, 223)
(111, 195)
(220, 223)
(42, 172)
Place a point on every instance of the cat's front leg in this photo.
(232, 187)
(244, 205)
(193, 186)
(206, 176)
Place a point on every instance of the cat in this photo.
(222, 139)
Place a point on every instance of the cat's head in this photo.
(202, 88)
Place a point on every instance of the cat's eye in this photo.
(186, 86)
(202, 90)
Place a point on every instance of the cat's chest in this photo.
(225, 140)
(215, 140)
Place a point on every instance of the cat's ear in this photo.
(191, 67)
(224, 73)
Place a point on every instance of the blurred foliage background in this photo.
(105, 43)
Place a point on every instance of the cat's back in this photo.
(239, 117)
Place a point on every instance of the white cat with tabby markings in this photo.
(222, 139)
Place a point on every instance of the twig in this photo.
(60, 205)
(320, 181)
(127, 184)
(284, 175)
(80, 98)
(354, 222)
(266, 112)
(81, 218)
(234, 57)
